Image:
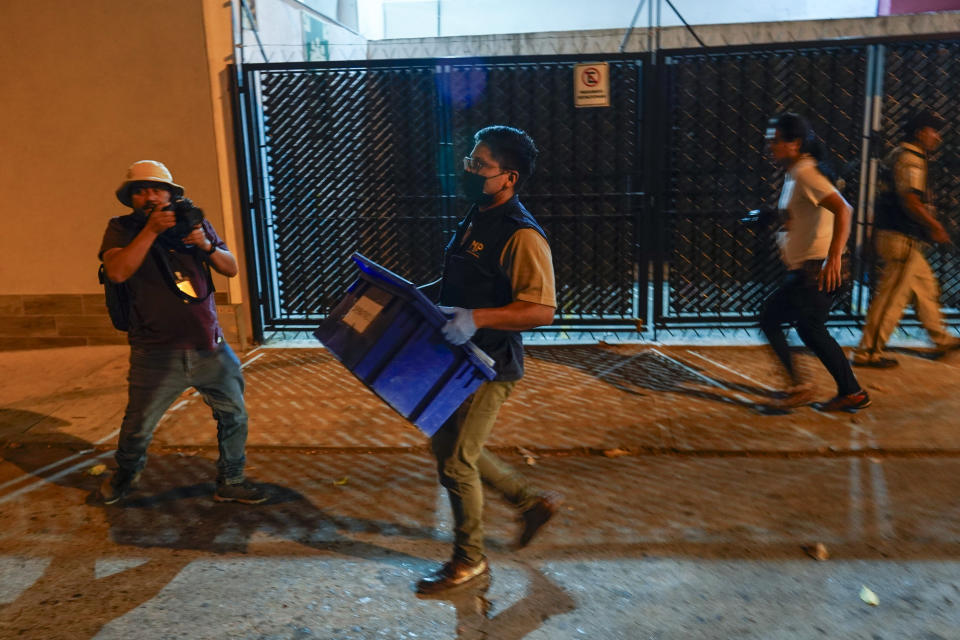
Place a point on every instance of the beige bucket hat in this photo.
(146, 171)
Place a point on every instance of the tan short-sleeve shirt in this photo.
(526, 258)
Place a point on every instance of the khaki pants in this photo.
(464, 466)
(905, 276)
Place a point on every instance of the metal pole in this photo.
(626, 36)
(659, 17)
(253, 27)
(650, 29)
(237, 36)
(689, 28)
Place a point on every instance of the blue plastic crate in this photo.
(387, 333)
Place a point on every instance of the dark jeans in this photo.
(157, 378)
(799, 303)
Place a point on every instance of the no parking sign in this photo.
(591, 84)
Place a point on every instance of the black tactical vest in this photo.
(473, 278)
(889, 212)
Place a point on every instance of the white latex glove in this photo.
(460, 327)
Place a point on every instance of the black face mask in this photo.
(472, 185)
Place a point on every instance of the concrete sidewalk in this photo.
(639, 398)
(687, 510)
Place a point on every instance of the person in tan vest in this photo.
(905, 226)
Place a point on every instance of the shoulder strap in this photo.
(171, 280)
(117, 299)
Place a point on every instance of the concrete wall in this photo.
(431, 18)
(280, 25)
(88, 88)
(715, 35)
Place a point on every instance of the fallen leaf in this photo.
(817, 551)
(869, 596)
(616, 453)
(97, 469)
(526, 453)
(341, 481)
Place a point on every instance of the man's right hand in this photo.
(938, 234)
(159, 220)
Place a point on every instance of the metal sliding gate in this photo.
(641, 200)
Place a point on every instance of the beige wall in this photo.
(88, 88)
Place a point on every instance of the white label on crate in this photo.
(362, 313)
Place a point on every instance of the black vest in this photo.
(889, 212)
(473, 278)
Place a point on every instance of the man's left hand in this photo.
(460, 327)
(831, 275)
(198, 238)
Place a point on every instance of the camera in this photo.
(188, 216)
(760, 217)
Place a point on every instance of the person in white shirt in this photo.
(812, 246)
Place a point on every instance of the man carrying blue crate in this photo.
(497, 281)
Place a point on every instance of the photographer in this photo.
(162, 252)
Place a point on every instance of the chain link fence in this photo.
(641, 200)
(928, 74)
(717, 168)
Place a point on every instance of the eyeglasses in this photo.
(474, 164)
(477, 165)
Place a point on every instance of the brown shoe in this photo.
(944, 348)
(876, 362)
(850, 403)
(454, 573)
(538, 515)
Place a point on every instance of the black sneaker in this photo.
(244, 492)
(850, 403)
(118, 485)
(879, 362)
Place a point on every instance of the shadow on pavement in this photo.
(543, 600)
(650, 371)
(14, 422)
(69, 601)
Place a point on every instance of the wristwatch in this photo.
(213, 249)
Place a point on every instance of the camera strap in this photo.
(181, 286)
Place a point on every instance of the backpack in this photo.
(117, 299)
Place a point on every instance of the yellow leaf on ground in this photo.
(616, 453)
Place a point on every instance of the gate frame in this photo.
(651, 228)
